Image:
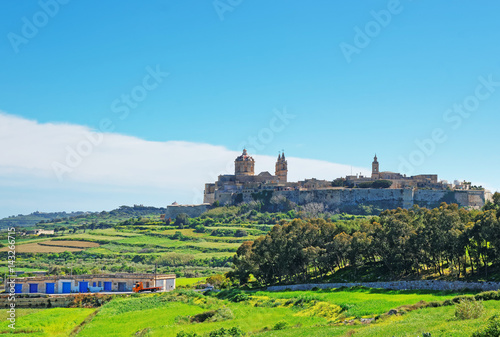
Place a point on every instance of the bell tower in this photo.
(281, 168)
(375, 168)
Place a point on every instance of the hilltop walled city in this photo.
(383, 188)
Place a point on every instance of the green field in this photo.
(182, 281)
(44, 322)
(262, 313)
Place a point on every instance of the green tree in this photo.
(182, 221)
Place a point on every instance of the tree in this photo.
(218, 281)
(496, 199)
(200, 229)
(382, 184)
(182, 220)
(240, 233)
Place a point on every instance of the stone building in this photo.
(41, 232)
(398, 180)
(65, 284)
(424, 189)
(245, 179)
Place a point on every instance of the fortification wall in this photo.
(191, 210)
(337, 199)
(398, 285)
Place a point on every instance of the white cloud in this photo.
(93, 162)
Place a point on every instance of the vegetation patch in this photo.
(322, 309)
(469, 309)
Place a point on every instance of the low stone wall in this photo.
(43, 301)
(398, 285)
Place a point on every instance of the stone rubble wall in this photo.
(398, 285)
(37, 302)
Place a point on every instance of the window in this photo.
(147, 284)
(99, 284)
(93, 284)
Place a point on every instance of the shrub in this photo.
(469, 309)
(280, 325)
(200, 229)
(491, 330)
(181, 320)
(202, 317)
(240, 233)
(187, 334)
(488, 295)
(233, 332)
(240, 298)
(222, 314)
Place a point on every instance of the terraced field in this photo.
(268, 314)
(42, 247)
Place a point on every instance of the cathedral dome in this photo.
(244, 156)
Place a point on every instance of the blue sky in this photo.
(232, 67)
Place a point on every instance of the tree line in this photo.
(447, 239)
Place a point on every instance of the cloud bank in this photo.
(49, 167)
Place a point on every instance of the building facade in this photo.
(65, 284)
(245, 186)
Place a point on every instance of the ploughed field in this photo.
(53, 246)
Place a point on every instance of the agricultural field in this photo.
(40, 247)
(134, 244)
(307, 313)
(57, 322)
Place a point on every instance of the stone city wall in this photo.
(384, 198)
(192, 211)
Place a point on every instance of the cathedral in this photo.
(244, 186)
(244, 177)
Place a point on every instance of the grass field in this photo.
(306, 313)
(44, 322)
(364, 302)
(182, 281)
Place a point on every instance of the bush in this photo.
(181, 221)
(200, 229)
(222, 314)
(233, 332)
(240, 298)
(240, 233)
(488, 295)
(187, 334)
(280, 325)
(469, 309)
(491, 330)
